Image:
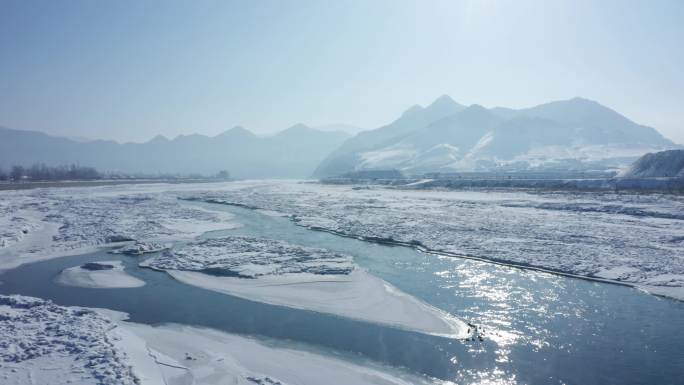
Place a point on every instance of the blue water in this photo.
(538, 328)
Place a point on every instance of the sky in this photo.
(129, 70)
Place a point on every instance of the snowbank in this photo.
(102, 275)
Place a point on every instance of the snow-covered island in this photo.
(102, 274)
(44, 343)
(281, 273)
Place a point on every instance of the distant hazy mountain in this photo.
(576, 134)
(349, 129)
(292, 153)
(659, 164)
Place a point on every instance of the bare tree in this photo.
(17, 173)
(223, 174)
(42, 172)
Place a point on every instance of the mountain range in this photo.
(291, 153)
(567, 135)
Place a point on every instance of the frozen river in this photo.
(536, 327)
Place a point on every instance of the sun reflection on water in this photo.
(510, 308)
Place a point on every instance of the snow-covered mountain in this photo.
(291, 153)
(657, 165)
(575, 134)
(346, 158)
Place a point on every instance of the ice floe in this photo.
(101, 274)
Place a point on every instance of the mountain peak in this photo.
(444, 105)
(579, 99)
(443, 100)
(299, 127)
(158, 139)
(237, 130)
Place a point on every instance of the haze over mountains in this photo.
(575, 134)
(445, 136)
(292, 153)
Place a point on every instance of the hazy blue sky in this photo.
(131, 69)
